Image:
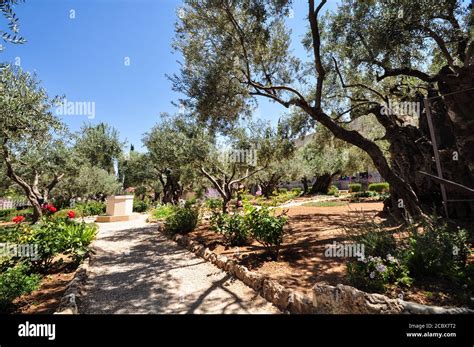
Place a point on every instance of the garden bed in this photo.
(46, 299)
(302, 261)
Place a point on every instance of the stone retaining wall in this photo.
(68, 303)
(349, 300)
(340, 299)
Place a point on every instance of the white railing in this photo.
(12, 203)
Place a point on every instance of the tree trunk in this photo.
(304, 181)
(409, 200)
(225, 205)
(171, 189)
(322, 183)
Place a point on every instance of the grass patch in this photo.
(163, 211)
(325, 203)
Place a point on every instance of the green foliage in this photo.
(377, 241)
(366, 194)
(375, 274)
(382, 187)
(55, 236)
(6, 213)
(100, 145)
(233, 227)
(163, 211)
(183, 220)
(297, 191)
(16, 281)
(91, 208)
(325, 203)
(434, 250)
(355, 187)
(281, 198)
(214, 203)
(333, 190)
(88, 182)
(282, 190)
(266, 228)
(141, 205)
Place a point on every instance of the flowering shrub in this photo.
(49, 208)
(375, 274)
(55, 236)
(437, 251)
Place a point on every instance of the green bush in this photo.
(281, 198)
(375, 274)
(382, 187)
(6, 213)
(297, 190)
(91, 208)
(183, 220)
(366, 194)
(163, 211)
(266, 228)
(282, 190)
(141, 206)
(214, 203)
(55, 236)
(233, 227)
(437, 251)
(64, 213)
(377, 241)
(355, 187)
(16, 281)
(333, 190)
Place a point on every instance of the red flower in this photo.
(50, 208)
(18, 219)
(71, 214)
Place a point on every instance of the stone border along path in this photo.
(136, 269)
(326, 299)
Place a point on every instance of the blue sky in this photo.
(84, 57)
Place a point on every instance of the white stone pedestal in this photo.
(119, 209)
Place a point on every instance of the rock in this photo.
(253, 280)
(213, 258)
(201, 251)
(178, 238)
(299, 303)
(230, 267)
(221, 260)
(207, 254)
(275, 293)
(349, 300)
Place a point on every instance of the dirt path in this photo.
(137, 270)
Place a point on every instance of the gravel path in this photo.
(135, 269)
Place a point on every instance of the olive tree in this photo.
(237, 52)
(32, 137)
